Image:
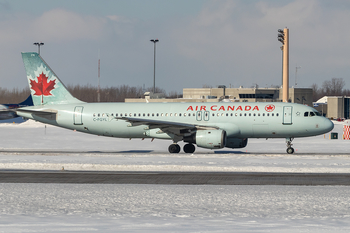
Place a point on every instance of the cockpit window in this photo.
(311, 114)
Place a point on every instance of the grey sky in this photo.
(201, 42)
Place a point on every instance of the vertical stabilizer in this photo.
(44, 85)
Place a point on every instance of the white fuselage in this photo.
(239, 120)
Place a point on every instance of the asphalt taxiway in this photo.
(174, 178)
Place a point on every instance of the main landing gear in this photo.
(175, 148)
(290, 149)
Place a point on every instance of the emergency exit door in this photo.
(78, 115)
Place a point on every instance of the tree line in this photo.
(333, 87)
(88, 93)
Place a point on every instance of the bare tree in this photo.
(333, 87)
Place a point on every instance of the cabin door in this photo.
(78, 115)
(202, 115)
(199, 115)
(287, 115)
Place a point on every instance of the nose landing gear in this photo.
(290, 149)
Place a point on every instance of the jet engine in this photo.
(209, 139)
(236, 142)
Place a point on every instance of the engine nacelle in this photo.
(210, 139)
(236, 142)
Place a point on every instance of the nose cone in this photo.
(327, 125)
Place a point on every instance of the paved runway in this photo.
(175, 178)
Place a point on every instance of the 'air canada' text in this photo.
(223, 108)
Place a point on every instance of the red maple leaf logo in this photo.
(42, 87)
(269, 108)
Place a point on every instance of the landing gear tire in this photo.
(174, 148)
(290, 150)
(189, 148)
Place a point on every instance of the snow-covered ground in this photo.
(314, 154)
(171, 208)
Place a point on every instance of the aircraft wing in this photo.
(166, 126)
(7, 114)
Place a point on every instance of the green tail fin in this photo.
(44, 85)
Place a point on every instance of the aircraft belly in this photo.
(261, 130)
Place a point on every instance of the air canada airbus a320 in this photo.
(207, 125)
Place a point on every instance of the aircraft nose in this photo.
(327, 125)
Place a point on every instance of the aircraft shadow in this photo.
(230, 152)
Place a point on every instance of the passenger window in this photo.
(240, 114)
(184, 114)
(276, 114)
(306, 114)
(236, 114)
(272, 114)
(148, 114)
(94, 115)
(245, 114)
(263, 114)
(250, 114)
(268, 114)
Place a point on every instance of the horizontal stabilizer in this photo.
(49, 114)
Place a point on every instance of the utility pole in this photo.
(38, 44)
(154, 65)
(98, 76)
(283, 37)
(296, 74)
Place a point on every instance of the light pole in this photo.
(38, 44)
(283, 37)
(154, 67)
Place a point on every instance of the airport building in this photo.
(334, 107)
(221, 93)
